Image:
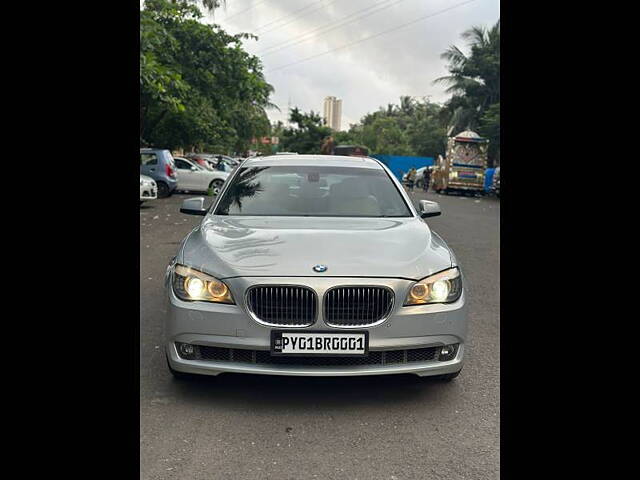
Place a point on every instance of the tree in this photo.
(490, 127)
(199, 88)
(409, 128)
(161, 84)
(427, 133)
(474, 79)
(308, 134)
(385, 135)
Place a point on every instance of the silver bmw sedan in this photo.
(314, 265)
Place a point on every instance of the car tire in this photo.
(163, 190)
(215, 186)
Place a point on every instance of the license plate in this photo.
(467, 175)
(319, 343)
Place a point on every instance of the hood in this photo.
(286, 246)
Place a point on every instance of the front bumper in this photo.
(465, 186)
(148, 192)
(230, 326)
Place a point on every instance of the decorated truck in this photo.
(462, 169)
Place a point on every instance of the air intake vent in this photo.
(292, 306)
(357, 306)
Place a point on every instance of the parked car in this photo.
(148, 189)
(226, 158)
(338, 276)
(159, 165)
(419, 177)
(194, 178)
(200, 160)
(222, 163)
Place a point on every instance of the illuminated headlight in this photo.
(453, 175)
(443, 287)
(190, 284)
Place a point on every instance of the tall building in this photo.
(332, 112)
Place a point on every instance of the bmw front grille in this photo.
(297, 306)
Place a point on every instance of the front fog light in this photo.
(448, 352)
(186, 350)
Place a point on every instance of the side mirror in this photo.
(429, 209)
(193, 206)
(194, 169)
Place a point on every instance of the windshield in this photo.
(313, 191)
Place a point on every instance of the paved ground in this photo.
(389, 427)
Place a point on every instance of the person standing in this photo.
(426, 178)
(411, 178)
(328, 147)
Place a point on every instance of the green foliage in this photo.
(306, 136)
(474, 82)
(490, 127)
(385, 135)
(198, 88)
(409, 128)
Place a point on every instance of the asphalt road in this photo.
(387, 427)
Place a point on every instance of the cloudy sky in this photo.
(365, 73)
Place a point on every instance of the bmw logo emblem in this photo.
(320, 268)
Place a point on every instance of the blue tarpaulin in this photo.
(488, 178)
(400, 165)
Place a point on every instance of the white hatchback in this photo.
(148, 189)
(194, 178)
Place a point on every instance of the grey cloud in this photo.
(367, 75)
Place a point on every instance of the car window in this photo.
(148, 159)
(313, 191)
(182, 165)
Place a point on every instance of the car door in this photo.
(149, 164)
(185, 173)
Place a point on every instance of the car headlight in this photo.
(443, 287)
(141, 182)
(190, 284)
(453, 175)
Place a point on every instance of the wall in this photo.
(401, 164)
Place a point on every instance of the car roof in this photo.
(313, 160)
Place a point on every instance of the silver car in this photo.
(314, 265)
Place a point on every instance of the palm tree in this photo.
(474, 80)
